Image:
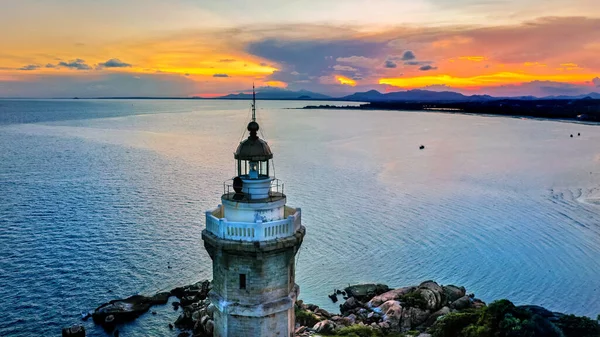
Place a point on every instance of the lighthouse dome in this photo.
(253, 148)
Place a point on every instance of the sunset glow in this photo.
(188, 49)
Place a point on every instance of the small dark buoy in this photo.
(421, 147)
(578, 133)
(571, 135)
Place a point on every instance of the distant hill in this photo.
(274, 93)
(591, 95)
(414, 95)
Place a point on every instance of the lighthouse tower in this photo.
(252, 239)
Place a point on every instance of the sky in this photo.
(85, 48)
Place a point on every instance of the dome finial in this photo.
(253, 125)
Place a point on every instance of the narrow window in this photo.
(242, 281)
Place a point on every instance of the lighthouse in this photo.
(252, 238)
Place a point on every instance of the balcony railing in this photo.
(276, 192)
(253, 231)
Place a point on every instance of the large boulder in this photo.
(364, 292)
(462, 303)
(325, 326)
(413, 317)
(453, 292)
(432, 299)
(392, 313)
(123, 310)
(350, 304)
(434, 316)
(389, 295)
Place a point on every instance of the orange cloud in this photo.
(534, 64)
(345, 80)
(473, 58)
(496, 79)
(277, 84)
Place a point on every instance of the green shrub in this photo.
(306, 318)
(574, 326)
(453, 324)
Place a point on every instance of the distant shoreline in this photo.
(583, 111)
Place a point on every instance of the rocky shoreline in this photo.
(424, 310)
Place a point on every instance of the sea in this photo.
(104, 199)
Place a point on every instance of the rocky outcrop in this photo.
(74, 331)
(377, 307)
(196, 314)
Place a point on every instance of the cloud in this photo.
(295, 73)
(358, 61)
(390, 64)
(101, 85)
(113, 63)
(50, 65)
(78, 64)
(408, 55)
(339, 67)
(220, 75)
(30, 67)
(596, 81)
(227, 60)
(427, 67)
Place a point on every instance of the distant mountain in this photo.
(414, 95)
(591, 95)
(275, 93)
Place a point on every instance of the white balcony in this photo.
(253, 231)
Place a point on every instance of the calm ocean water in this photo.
(98, 197)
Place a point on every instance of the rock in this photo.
(384, 325)
(300, 330)
(122, 310)
(477, 303)
(153, 312)
(433, 317)
(333, 297)
(388, 296)
(364, 292)
(414, 317)
(175, 305)
(170, 326)
(352, 318)
(433, 299)
(453, 292)
(325, 326)
(462, 303)
(184, 334)
(392, 311)
(432, 286)
(350, 304)
(209, 327)
(73, 331)
(117, 333)
(323, 313)
(161, 298)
